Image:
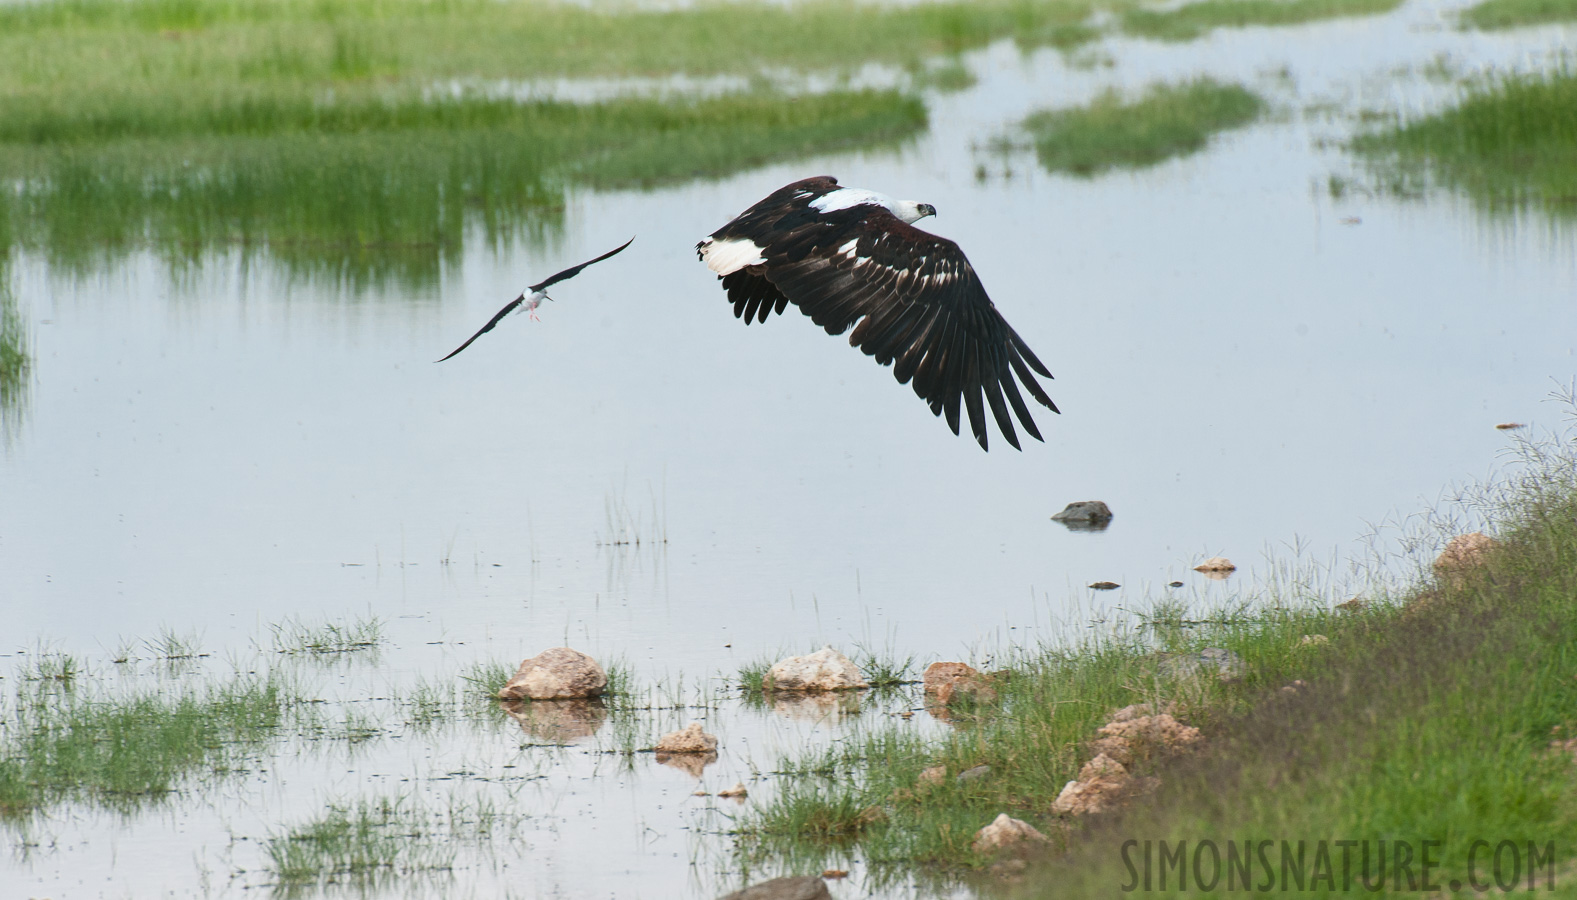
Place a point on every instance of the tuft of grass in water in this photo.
(52, 667)
(1508, 142)
(1167, 121)
(295, 636)
(392, 190)
(125, 753)
(751, 677)
(1494, 14)
(883, 669)
(376, 842)
(172, 647)
(1191, 20)
(428, 705)
(485, 678)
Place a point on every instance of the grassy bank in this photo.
(1426, 718)
(1192, 20)
(866, 797)
(1167, 121)
(1508, 142)
(100, 68)
(370, 195)
(1492, 14)
(1438, 726)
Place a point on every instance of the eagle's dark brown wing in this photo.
(912, 298)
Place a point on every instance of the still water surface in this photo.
(1245, 364)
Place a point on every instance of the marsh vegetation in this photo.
(1166, 121)
(1508, 142)
(1494, 14)
(1192, 20)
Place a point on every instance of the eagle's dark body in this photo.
(846, 258)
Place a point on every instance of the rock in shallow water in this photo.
(1085, 515)
(824, 670)
(1005, 831)
(690, 739)
(557, 674)
(945, 680)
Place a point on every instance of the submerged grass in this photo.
(299, 637)
(377, 841)
(1191, 20)
(1510, 141)
(1493, 14)
(1167, 121)
(122, 754)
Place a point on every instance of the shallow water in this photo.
(1244, 370)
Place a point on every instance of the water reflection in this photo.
(362, 211)
(557, 721)
(15, 363)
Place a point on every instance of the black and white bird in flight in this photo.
(533, 296)
(851, 257)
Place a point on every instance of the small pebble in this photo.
(972, 774)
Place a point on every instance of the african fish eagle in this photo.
(847, 256)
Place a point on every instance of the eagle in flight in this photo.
(851, 257)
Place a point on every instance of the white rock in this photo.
(557, 674)
(1005, 831)
(824, 670)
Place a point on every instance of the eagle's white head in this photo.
(843, 198)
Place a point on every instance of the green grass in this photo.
(865, 793)
(1167, 121)
(124, 753)
(485, 679)
(1509, 142)
(361, 140)
(1192, 20)
(1492, 14)
(364, 203)
(380, 841)
(123, 67)
(297, 636)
